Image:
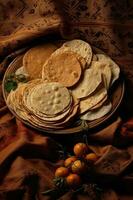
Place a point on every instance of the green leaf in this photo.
(10, 85)
(60, 183)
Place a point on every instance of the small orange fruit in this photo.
(73, 180)
(61, 172)
(80, 149)
(79, 167)
(92, 157)
(68, 162)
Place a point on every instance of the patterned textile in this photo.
(27, 161)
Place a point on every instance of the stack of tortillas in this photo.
(47, 105)
(67, 82)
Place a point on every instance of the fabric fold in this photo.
(28, 158)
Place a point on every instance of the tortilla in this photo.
(10, 99)
(105, 70)
(35, 58)
(89, 83)
(99, 104)
(98, 113)
(22, 71)
(88, 102)
(49, 98)
(27, 103)
(61, 116)
(53, 124)
(64, 68)
(113, 66)
(15, 101)
(63, 49)
(80, 47)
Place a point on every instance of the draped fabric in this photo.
(28, 158)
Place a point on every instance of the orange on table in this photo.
(73, 180)
(79, 167)
(80, 149)
(92, 157)
(68, 162)
(61, 172)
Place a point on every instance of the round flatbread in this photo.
(105, 70)
(22, 71)
(98, 113)
(89, 102)
(60, 124)
(14, 98)
(61, 116)
(113, 66)
(31, 89)
(53, 119)
(64, 68)
(49, 98)
(10, 99)
(99, 104)
(35, 58)
(15, 101)
(63, 49)
(89, 83)
(80, 47)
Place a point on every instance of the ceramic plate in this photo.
(116, 95)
